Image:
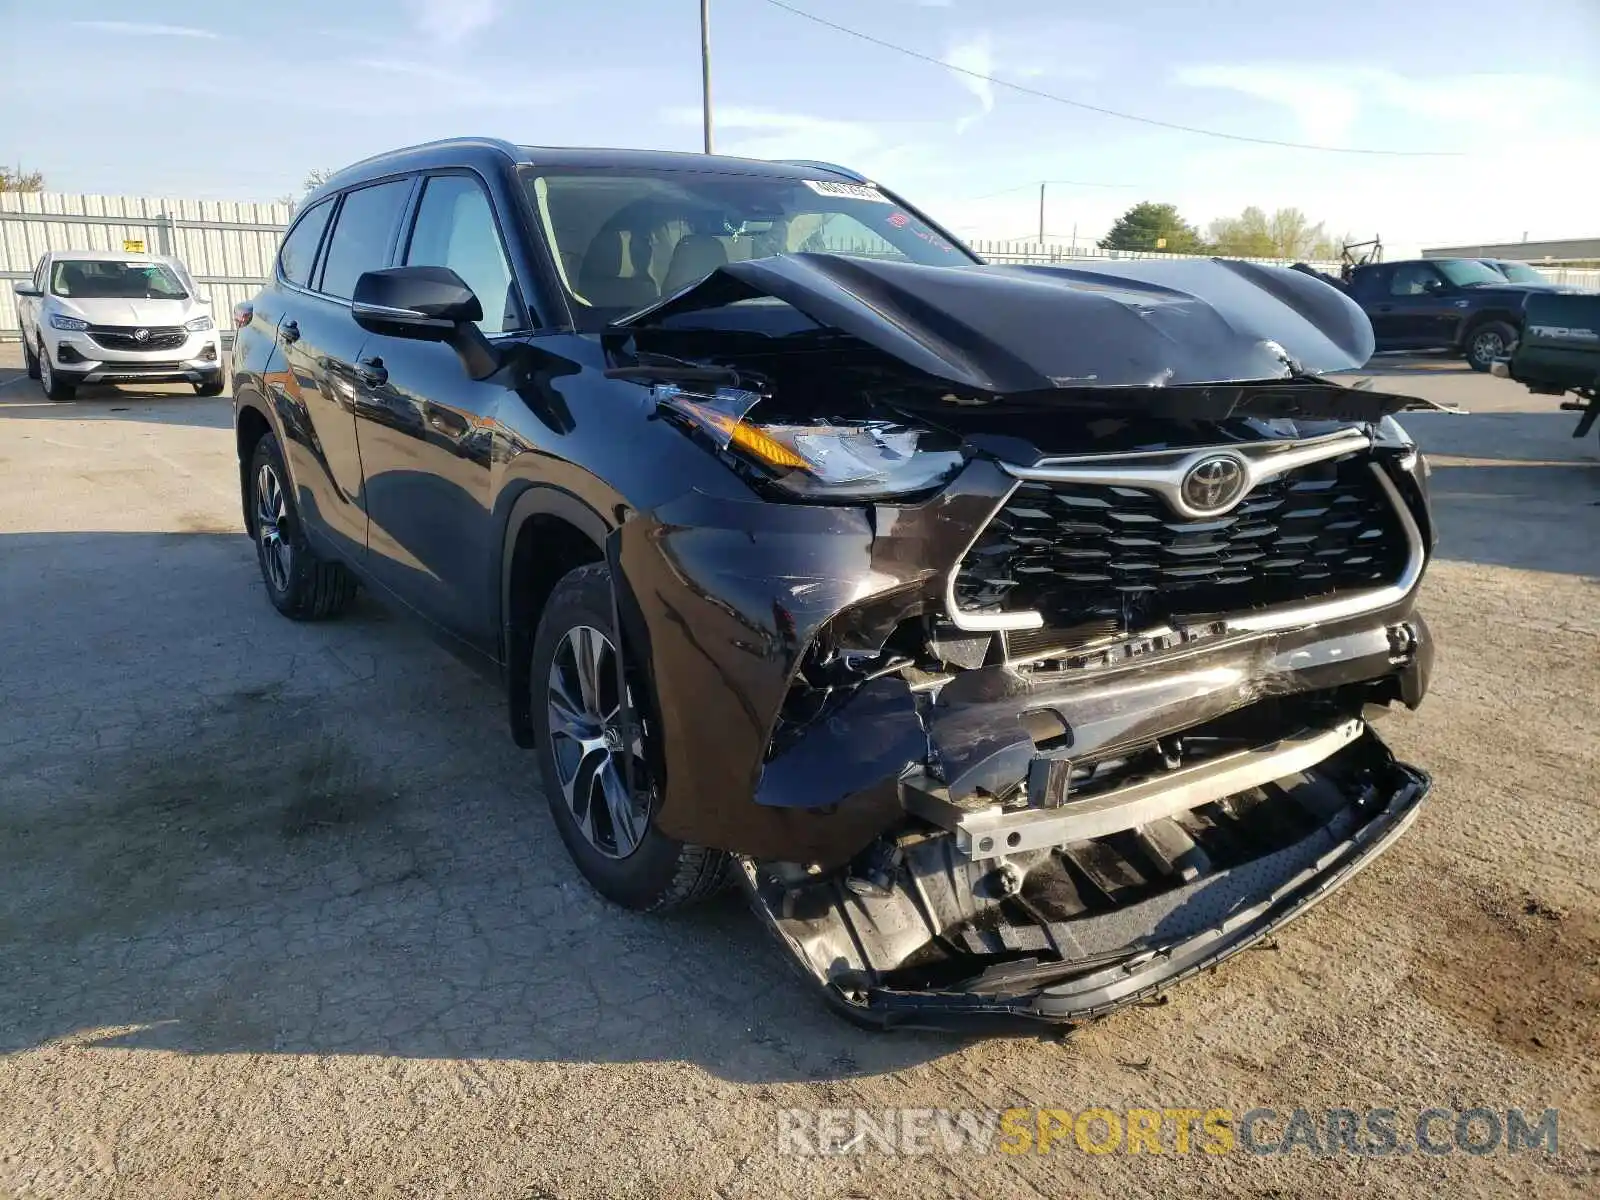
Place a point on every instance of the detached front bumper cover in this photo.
(953, 943)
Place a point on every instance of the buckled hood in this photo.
(1028, 329)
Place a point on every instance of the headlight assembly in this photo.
(71, 324)
(823, 461)
(198, 324)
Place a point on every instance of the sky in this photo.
(239, 101)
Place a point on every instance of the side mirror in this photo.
(426, 304)
(26, 289)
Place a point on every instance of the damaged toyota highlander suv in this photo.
(1010, 634)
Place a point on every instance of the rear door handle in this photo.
(289, 331)
(371, 372)
(451, 424)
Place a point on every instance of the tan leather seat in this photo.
(695, 257)
(602, 283)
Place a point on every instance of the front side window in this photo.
(624, 239)
(362, 235)
(300, 247)
(101, 279)
(1414, 279)
(455, 228)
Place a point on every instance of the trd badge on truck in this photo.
(1010, 635)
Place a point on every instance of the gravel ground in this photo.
(283, 913)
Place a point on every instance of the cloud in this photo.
(747, 132)
(142, 29)
(1328, 99)
(974, 54)
(453, 21)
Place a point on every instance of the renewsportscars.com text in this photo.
(1369, 1132)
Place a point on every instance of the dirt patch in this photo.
(1517, 969)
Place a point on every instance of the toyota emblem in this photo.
(141, 335)
(1214, 485)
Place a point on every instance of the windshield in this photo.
(1464, 272)
(1520, 272)
(96, 279)
(624, 239)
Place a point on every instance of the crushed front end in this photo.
(1090, 715)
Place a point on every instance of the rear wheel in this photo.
(300, 584)
(30, 360)
(609, 831)
(1487, 342)
(54, 386)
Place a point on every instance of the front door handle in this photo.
(371, 372)
(289, 331)
(1385, 308)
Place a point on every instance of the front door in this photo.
(427, 430)
(1421, 310)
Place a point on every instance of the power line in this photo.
(1095, 108)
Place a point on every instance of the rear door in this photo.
(428, 429)
(321, 343)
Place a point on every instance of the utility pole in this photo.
(1041, 214)
(705, 68)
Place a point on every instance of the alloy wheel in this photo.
(46, 375)
(271, 511)
(1488, 346)
(586, 741)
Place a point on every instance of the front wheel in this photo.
(209, 387)
(30, 360)
(609, 831)
(1487, 342)
(54, 386)
(300, 584)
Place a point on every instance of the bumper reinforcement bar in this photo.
(992, 831)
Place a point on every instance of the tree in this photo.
(1287, 233)
(1249, 235)
(1150, 226)
(316, 177)
(20, 180)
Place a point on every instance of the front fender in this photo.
(721, 599)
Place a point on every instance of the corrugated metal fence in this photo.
(227, 246)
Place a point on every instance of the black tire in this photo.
(657, 873)
(52, 383)
(211, 387)
(1487, 342)
(30, 360)
(300, 585)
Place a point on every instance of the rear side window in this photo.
(362, 235)
(456, 228)
(300, 247)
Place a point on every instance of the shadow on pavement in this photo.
(225, 832)
(112, 404)
(1513, 490)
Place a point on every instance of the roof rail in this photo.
(509, 149)
(855, 176)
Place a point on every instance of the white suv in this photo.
(90, 316)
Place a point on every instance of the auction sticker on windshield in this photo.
(854, 191)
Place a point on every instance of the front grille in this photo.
(1102, 560)
(121, 337)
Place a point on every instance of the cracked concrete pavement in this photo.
(282, 912)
